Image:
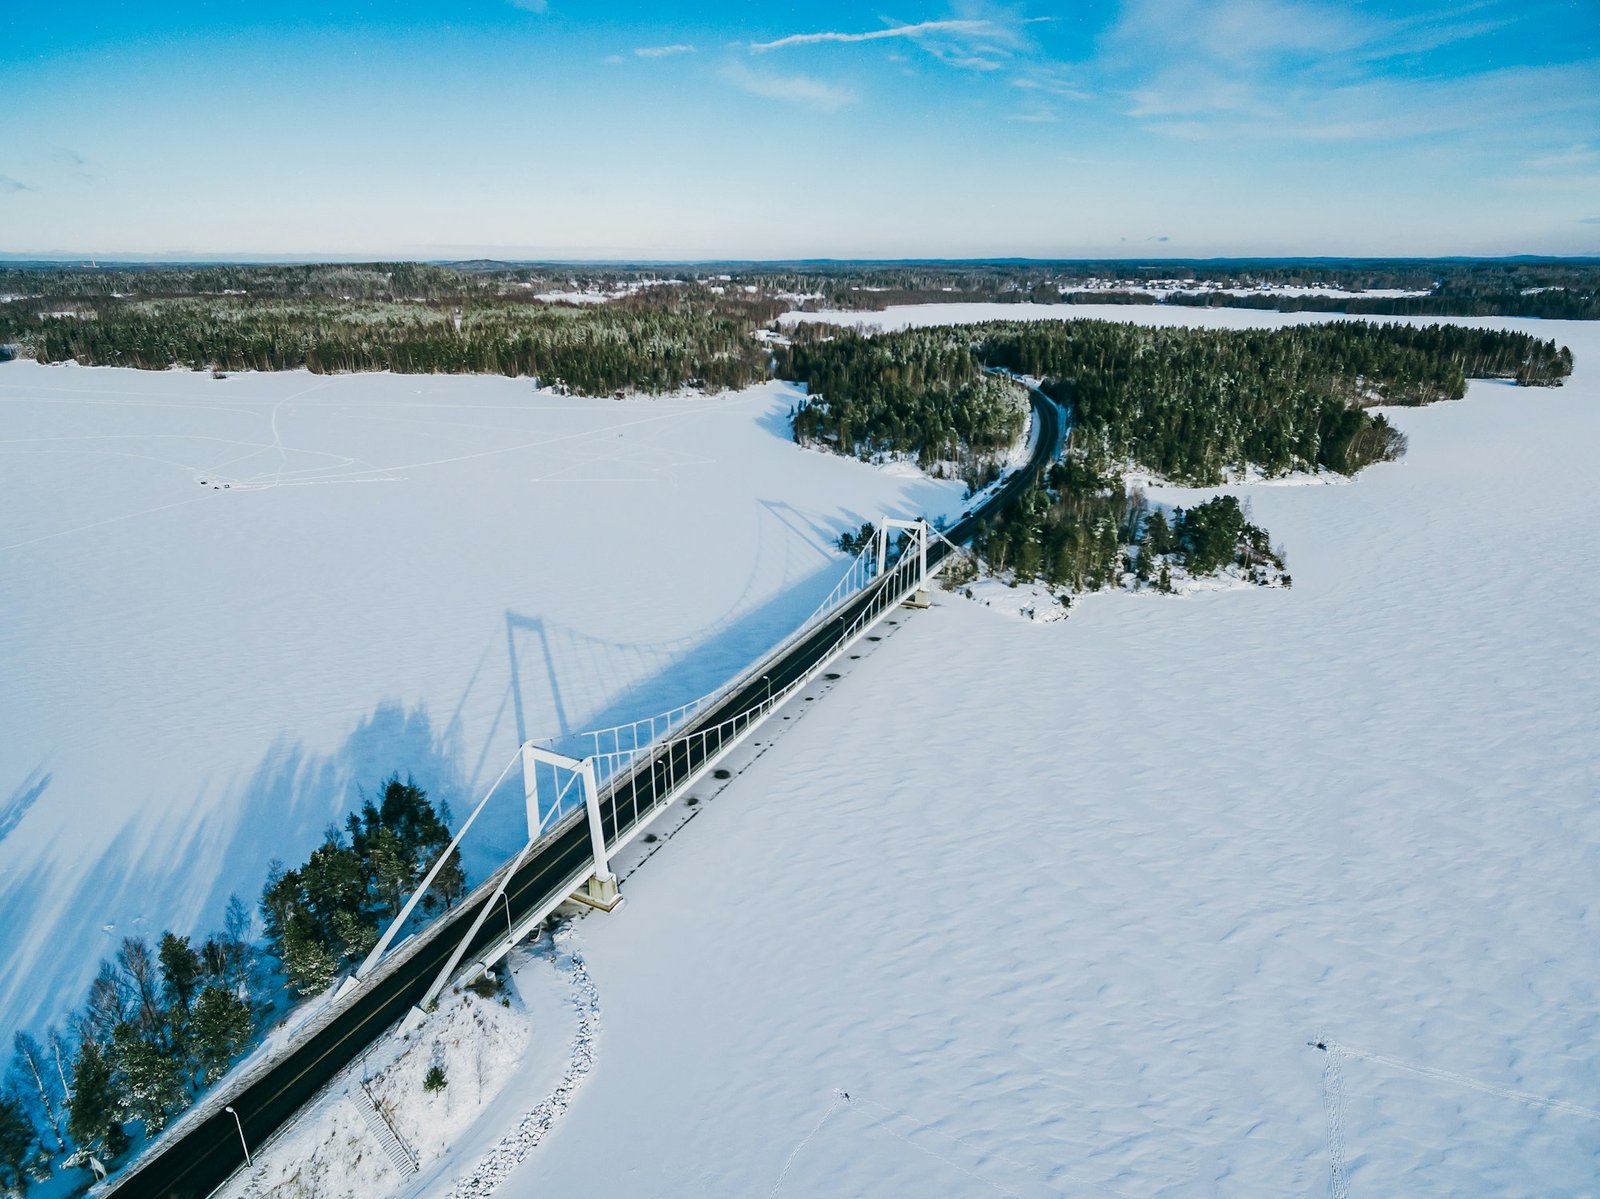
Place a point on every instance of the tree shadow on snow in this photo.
(178, 871)
(775, 419)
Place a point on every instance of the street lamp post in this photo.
(242, 1144)
(510, 937)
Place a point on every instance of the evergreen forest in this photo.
(163, 1022)
(649, 342)
(1189, 406)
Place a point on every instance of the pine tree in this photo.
(92, 1115)
(450, 884)
(149, 1078)
(16, 1146)
(1157, 533)
(279, 898)
(306, 958)
(180, 970)
(221, 1027)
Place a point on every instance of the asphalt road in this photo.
(198, 1159)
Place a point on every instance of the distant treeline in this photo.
(397, 281)
(1564, 288)
(1557, 303)
(354, 281)
(162, 1023)
(1538, 287)
(649, 342)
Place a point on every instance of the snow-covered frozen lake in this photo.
(1060, 906)
(227, 604)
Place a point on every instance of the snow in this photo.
(572, 297)
(1024, 600)
(1061, 906)
(226, 605)
(1058, 905)
(498, 1055)
(483, 1172)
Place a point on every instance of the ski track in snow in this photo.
(838, 1099)
(97, 524)
(1333, 1100)
(1461, 1080)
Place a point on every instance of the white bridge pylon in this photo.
(917, 530)
(650, 762)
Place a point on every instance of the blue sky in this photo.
(558, 128)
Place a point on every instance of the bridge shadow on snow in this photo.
(182, 868)
(178, 870)
(293, 795)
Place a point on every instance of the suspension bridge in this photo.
(586, 799)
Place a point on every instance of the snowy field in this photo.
(227, 604)
(1058, 905)
(1061, 905)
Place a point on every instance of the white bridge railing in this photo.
(632, 772)
(618, 743)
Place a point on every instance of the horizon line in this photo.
(105, 262)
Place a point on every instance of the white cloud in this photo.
(981, 36)
(1502, 104)
(1581, 185)
(921, 29)
(1052, 79)
(663, 51)
(1573, 156)
(1235, 31)
(1249, 34)
(803, 90)
(1316, 71)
